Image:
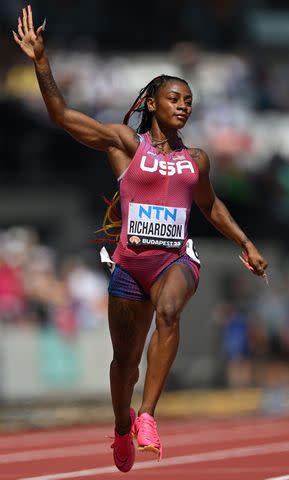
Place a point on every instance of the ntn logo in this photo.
(164, 167)
(157, 212)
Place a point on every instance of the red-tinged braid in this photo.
(112, 221)
(111, 224)
(133, 109)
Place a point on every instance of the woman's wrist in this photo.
(41, 61)
(247, 245)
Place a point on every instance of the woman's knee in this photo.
(127, 368)
(127, 360)
(168, 314)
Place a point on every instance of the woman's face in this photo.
(172, 105)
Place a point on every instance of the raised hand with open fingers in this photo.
(30, 42)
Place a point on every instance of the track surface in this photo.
(241, 449)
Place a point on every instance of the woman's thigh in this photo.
(174, 288)
(129, 323)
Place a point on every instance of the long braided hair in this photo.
(112, 220)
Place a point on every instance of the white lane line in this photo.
(73, 435)
(65, 435)
(212, 436)
(168, 441)
(244, 431)
(286, 477)
(216, 455)
(34, 455)
(95, 433)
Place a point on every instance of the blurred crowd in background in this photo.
(235, 57)
(253, 330)
(39, 290)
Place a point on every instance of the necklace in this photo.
(158, 142)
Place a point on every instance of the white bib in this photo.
(156, 225)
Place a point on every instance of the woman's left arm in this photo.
(218, 214)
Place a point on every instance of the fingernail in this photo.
(44, 24)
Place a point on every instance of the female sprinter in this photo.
(156, 267)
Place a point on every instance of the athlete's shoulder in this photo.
(201, 158)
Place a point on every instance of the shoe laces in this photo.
(148, 429)
(110, 437)
(117, 438)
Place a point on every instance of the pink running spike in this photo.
(145, 429)
(123, 448)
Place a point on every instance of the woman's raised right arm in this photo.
(82, 127)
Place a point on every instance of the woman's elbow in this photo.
(57, 118)
(206, 208)
(58, 115)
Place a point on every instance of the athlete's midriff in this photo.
(156, 193)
